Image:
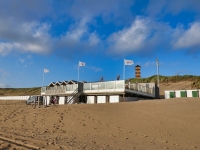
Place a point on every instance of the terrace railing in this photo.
(140, 88)
(54, 90)
(99, 87)
(71, 87)
(104, 86)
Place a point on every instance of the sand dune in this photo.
(156, 124)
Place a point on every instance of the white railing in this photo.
(53, 90)
(104, 86)
(43, 90)
(71, 87)
(140, 88)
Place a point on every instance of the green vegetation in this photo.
(20, 91)
(170, 79)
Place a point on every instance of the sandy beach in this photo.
(151, 124)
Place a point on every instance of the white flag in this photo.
(46, 71)
(81, 63)
(128, 62)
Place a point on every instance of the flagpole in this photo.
(43, 78)
(78, 70)
(124, 70)
(157, 64)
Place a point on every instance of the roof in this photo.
(52, 83)
(72, 82)
(64, 82)
(58, 83)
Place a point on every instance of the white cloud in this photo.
(131, 38)
(5, 48)
(145, 36)
(93, 39)
(78, 38)
(34, 37)
(142, 36)
(188, 38)
(27, 37)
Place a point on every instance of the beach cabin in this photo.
(182, 93)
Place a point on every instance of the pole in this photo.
(124, 71)
(78, 71)
(158, 76)
(157, 64)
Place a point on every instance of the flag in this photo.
(81, 63)
(128, 62)
(46, 71)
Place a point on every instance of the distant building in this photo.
(137, 71)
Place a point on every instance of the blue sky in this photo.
(56, 35)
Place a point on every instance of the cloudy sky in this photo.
(56, 35)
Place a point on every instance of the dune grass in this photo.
(170, 79)
(20, 91)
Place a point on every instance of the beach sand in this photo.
(152, 124)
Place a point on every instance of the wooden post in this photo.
(38, 101)
(43, 98)
(34, 103)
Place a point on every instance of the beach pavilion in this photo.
(71, 92)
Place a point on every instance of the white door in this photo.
(90, 99)
(61, 100)
(114, 99)
(101, 99)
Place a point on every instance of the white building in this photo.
(69, 92)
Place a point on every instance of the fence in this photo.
(104, 86)
(14, 97)
(140, 88)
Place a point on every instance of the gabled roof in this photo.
(58, 83)
(72, 82)
(52, 84)
(64, 83)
